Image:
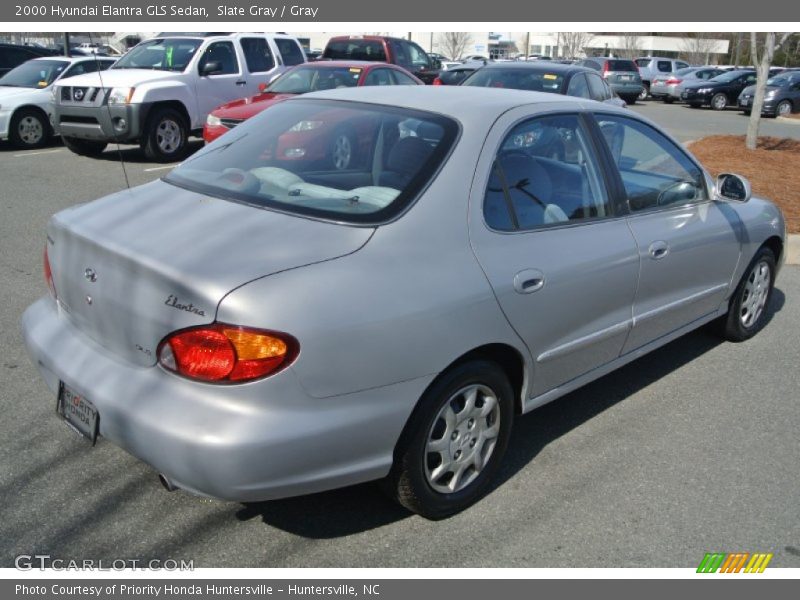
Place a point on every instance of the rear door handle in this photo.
(241, 82)
(528, 281)
(658, 250)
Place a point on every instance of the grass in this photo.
(773, 168)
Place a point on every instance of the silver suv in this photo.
(651, 66)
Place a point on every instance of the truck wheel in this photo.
(645, 93)
(165, 136)
(29, 129)
(84, 147)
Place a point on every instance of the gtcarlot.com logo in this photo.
(737, 562)
(29, 562)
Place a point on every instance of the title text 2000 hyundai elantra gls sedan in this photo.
(256, 328)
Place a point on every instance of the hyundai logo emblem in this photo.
(90, 275)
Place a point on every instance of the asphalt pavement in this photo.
(691, 449)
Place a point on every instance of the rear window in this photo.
(355, 50)
(643, 62)
(454, 76)
(517, 79)
(622, 65)
(347, 161)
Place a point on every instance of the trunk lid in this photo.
(135, 266)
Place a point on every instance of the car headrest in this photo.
(525, 174)
(408, 155)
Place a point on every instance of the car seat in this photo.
(405, 159)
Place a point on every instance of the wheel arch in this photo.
(173, 104)
(775, 244)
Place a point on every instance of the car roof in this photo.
(545, 65)
(461, 102)
(361, 64)
(73, 59)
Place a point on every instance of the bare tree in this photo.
(696, 48)
(455, 43)
(761, 55)
(575, 42)
(631, 45)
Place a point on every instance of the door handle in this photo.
(528, 281)
(241, 82)
(658, 250)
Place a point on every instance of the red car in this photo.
(308, 77)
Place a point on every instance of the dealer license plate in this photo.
(78, 413)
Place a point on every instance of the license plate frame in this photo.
(78, 413)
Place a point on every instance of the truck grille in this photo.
(83, 96)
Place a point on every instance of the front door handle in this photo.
(528, 281)
(241, 82)
(658, 250)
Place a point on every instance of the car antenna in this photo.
(108, 108)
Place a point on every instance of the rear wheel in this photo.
(165, 136)
(645, 93)
(747, 312)
(630, 99)
(29, 129)
(84, 147)
(719, 102)
(784, 108)
(454, 441)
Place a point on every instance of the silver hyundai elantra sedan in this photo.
(262, 323)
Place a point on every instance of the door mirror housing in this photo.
(212, 67)
(732, 187)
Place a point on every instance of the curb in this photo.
(788, 120)
(793, 249)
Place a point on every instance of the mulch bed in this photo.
(773, 168)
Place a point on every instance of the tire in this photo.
(784, 108)
(342, 151)
(165, 136)
(630, 100)
(747, 313)
(695, 105)
(29, 129)
(467, 439)
(84, 147)
(668, 99)
(719, 102)
(645, 93)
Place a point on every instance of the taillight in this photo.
(673, 81)
(605, 68)
(221, 353)
(437, 81)
(48, 274)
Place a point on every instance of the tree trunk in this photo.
(762, 64)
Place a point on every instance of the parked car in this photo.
(13, 55)
(301, 80)
(256, 331)
(396, 51)
(439, 57)
(621, 74)
(475, 57)
(162, 90)
(652, 66)
(718, 92)
(456, 74)
(26, 96)
(669, 87)
(545, 76)
(782, 95)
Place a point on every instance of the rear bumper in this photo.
(115, 123)
(257, 441)
(626, 89)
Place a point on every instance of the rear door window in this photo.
(596, 89)
(578, 86)
(401, 78)
(291, 53)
(664, 66)
(257, 54)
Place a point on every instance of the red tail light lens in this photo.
(222, 353)
(673, 81)
(48, 274)
(437, 81)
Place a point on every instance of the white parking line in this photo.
(38, 153)
(160, 168)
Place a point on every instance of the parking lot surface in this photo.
(691, 449)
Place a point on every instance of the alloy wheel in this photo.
(756, 292)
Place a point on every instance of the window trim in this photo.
(614, 172)
(584, 122)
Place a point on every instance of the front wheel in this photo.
(719, 102)
(165, 136)
(29, 129)
(747, 312)
(454, 441)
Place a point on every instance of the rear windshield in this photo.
(454, 76)
(346, 161)
(643, 62)
(517, 79)
(355, 50)
(622, 65)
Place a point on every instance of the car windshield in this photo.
(780, 80)
(165, 54)
(311, 79)
(517, 79)
(35, 74)
(345, 161)
(728, 76)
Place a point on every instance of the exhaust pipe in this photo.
(168, 485)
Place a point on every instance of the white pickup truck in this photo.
(162, 90)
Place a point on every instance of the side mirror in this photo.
(732, 187)
(212, 67)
